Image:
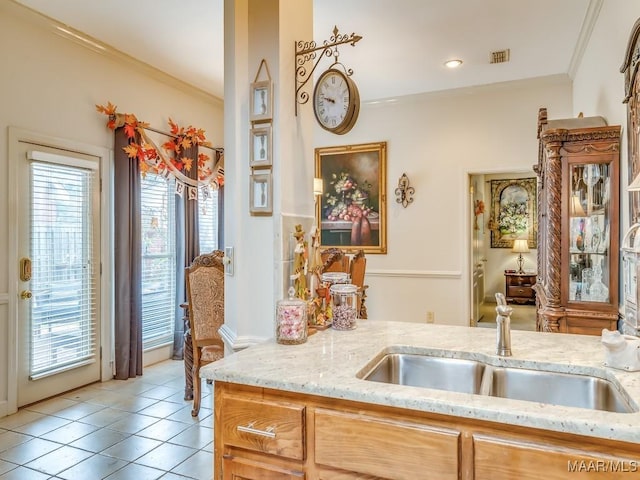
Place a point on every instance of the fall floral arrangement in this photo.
(172, 158)
(478, 210)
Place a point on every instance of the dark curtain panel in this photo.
(127, 262)
(187, 248)
(220, 212)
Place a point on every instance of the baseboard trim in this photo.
(234, 343)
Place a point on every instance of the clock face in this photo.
(336, 102)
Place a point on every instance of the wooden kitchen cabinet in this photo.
(401, 449)
(319, 438)
(235, 468)
(578, 225)
(497, 458)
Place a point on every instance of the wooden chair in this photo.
(334, 260)
(357, 268)
(205, 294)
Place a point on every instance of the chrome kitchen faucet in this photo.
(503, 326)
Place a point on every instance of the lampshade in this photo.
(318, 186)
(576, 209)
(635, 185)
(520, 246)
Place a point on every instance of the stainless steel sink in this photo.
(570, 390)
(452, 374)
(477, 377)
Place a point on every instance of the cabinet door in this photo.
(503, 459)
(375, 447)
(237, 468)
(590, 226)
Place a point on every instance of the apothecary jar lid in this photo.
(343, 288)
(335, 277)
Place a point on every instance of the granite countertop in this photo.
(327, 365)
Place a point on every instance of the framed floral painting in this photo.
(351, 213)
(514, 212)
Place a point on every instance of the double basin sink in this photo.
(477, 377)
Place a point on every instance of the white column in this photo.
(257, 29)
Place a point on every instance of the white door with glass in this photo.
(58, 247)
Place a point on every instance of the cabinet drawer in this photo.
(264, 426)
(385, 448)
(520, 291)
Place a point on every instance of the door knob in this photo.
(25, 294)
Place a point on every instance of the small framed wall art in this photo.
(261, 101)
(260, 146)
(260, 194)
(261, 96)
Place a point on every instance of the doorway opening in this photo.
(491, 269)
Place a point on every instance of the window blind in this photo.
(63, 309)
(208, 221)
(158, 260)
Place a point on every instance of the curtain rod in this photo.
(217, 149)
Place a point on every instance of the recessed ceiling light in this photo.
(454, 63)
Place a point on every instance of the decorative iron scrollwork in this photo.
(404, 191)
(308, 51)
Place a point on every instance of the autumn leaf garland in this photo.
(150, 159)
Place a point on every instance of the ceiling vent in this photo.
(501, 56)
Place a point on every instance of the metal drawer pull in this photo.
(269, 432)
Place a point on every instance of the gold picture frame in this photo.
(514, 212)
(352, 211)
(260, 194)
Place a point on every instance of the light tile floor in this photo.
(522, 318)
(138, 429)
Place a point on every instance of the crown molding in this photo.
(82, 39)
(589, 23)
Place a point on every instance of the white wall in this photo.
(256, 30)
(438, 139)
(599, 85)
(50, 85)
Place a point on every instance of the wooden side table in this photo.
(518, 287)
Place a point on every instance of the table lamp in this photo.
(520, 246)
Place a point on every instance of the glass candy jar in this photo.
(291, 320)
(328, 279)
(344, 306)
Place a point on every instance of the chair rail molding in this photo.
(4, 298)
(453, 274)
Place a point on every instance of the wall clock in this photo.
(336, 101)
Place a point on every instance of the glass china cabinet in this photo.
(578, 222)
